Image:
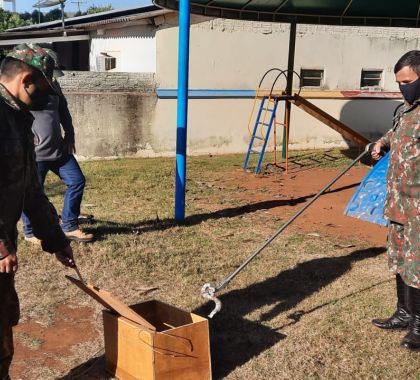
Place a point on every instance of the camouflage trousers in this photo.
(404, 251)
(9, 317)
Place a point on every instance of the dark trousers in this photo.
(70, 173)
(9, 317)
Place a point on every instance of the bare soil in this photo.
(326, 216)
(48, 346)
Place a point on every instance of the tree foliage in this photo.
(37, 17)
(9, 20)
(94, 9)
(53, 14)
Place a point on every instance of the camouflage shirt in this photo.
(19, 186)
(403, 183)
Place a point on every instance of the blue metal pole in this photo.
(182, 108)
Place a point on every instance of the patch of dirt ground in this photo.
(284, 194)
(49, 346)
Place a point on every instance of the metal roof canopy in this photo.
(401, 13)
(117, 15)
(44, 39)
(385, 13)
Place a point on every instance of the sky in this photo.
(71, 5)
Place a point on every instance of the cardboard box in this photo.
(178, 349)
(152, 340)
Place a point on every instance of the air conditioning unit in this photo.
(105, 62)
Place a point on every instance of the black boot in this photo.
(401, 318)
(412, 340)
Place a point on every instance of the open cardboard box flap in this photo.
(111, 302)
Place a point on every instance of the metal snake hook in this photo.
(208, 291)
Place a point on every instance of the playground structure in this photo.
(266, 120)
(347, 13)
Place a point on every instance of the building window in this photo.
(312, 77)
(371, 79)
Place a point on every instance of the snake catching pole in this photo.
(209, 291)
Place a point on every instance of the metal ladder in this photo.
(267, 110)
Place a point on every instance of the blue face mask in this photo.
(411, 91)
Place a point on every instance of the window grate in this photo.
(371, 79)
(312, 77)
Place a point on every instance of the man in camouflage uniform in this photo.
(25, 83)
(402, 206)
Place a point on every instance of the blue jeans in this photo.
(70, 173)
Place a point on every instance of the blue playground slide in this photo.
(368, 201)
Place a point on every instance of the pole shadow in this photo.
(101, 228)
(93, 369)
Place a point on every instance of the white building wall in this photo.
(134, 48)
(232, 54)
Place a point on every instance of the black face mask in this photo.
(39, 99)
(411, 91)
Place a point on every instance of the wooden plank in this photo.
(332, 122)
(111, 302)
(334, 94)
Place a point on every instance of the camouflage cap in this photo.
(36, 57)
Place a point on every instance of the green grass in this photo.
(28, 341)
(300, 310)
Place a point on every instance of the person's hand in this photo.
(376, 151)
(9, 264)
(65, 257)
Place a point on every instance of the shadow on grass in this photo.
(104, 227)
(236, 340)
(298, 163)
(93, 369)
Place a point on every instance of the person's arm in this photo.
(66, 122)
(8, 259)
(5, 244)
(66, 119)
(385, 140)
(382, 144)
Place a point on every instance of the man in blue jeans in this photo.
(55, 153)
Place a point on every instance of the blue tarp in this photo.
(368, 201)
